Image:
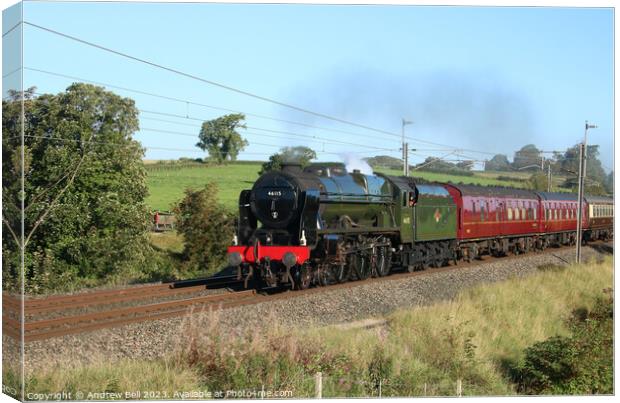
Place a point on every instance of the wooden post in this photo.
(318, 385)
(459, 388)
(380, 388)
(425, 390)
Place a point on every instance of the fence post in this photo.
(318, 385)
(425, 390)
(459, 388)
(380, 382)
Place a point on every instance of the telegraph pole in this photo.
(548, 176)
(405, 148)
(583, 147)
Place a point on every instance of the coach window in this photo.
(534, 211)
(510, 213)
(473, 206)
(517, 213)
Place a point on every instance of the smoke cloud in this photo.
(471, 111)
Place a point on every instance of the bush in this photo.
(581, 363)
(206, 226)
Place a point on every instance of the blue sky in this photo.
(484, 79)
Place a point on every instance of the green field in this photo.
(167, 184)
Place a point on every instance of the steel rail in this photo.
(119, 317)
(116, 317)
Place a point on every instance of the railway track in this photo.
(43, 328)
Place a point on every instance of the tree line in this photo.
(561, 163)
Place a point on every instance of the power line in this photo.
(11, 29)
(322, 139)
(210, 82)
(11, 72)
(312, 138)
(189, 102)
(173, 149)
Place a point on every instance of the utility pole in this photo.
(405, 147)
(583, 147)
(548, 176)
(406, 159)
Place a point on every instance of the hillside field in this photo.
(167, 183)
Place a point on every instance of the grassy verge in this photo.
(477, 338)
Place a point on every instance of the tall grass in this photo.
(476, 338)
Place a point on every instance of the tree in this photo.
(207, 228)
(498, 163)
(299, 154)
(538, 181)
(85, 220)
(527, 158)
(596, 178)
(465, 165)
(219, 137)
(609, 182)
(384, 161)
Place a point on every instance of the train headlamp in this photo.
(289, 259)
(235, 258)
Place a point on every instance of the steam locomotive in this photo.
(323, 225)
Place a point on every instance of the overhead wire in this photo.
(207, 81)
(267, 130)
(236, 90)
(190, 102)
(11, 29)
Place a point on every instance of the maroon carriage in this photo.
(559, 217)
(495, 220)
